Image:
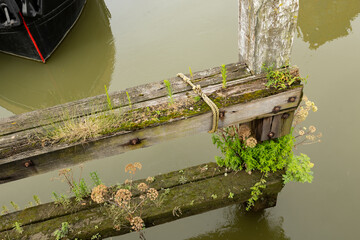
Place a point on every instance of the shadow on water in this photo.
(245, 225)
(79, 68)
(322, 21)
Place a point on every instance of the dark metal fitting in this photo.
(221, 114)
(135, 141)
(271, 134)
(276, 109)
(285, 116)
(291, 99)
(28, 163)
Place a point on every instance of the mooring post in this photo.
(266, 32)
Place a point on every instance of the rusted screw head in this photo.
(28, 163)
(291, 99)
(271, 134)
(135, 141)
(221, 114)
(276, 109)
(285, 116)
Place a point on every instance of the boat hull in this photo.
(37, 38)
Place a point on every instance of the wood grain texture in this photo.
(192, 197)
(244, 100)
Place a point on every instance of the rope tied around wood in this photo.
(212, 105)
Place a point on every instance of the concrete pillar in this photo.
(266, 32)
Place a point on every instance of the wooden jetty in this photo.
(195, 195)
(27, 145)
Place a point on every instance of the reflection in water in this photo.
(244, 225)
(321, 21)
(79, 68)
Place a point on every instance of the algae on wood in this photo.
(192, 197)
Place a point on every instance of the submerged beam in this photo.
(206, 187)
(27, 147)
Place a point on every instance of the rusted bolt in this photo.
(271, 134)
(28, 163)
(221, 114)
(285, 116)
(135, 141)
(276, 109)
(291, 99)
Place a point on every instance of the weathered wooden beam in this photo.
(195, 195)
(246, 98)
(266, 32)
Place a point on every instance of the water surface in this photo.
(147, 41)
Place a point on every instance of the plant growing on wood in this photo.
(168, 87)
(280, 79)
(125, 204)
(4, 210)
(129, 100)
(37, 199)
(15, 206)
(191, 73)
(17, 227)
(108, 99)
(224, 76)
(62, 232)
(256, 191)
(241, 151)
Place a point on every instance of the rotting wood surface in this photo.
(195, 195)
(245, 99)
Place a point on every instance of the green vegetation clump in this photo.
(241, 151)
(17, 227)
(280, 79)
(62, 232)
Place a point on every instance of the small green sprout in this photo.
(37, 200)
(15, 206)
(191, 73)
(108, 99)
(129, 100)
(168, 86)
(17, 227)
(224, 76)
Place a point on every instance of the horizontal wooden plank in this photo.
(119, 99)
(64, 155)
(191, 198)
(25, 153)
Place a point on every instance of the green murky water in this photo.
(135, 42)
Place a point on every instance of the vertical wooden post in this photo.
(266, 32)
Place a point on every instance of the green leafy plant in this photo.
(4, 210)
(241, 151)
(80, 190)
(37, 199)
(168, 87)
(62, 232)
(256, 191)
(17, 227)
(129, 100)
(61, 200)
(95, 178)
(14, 205)
(224, 76)
(280, 79)
(108, 99)
(231, 195)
